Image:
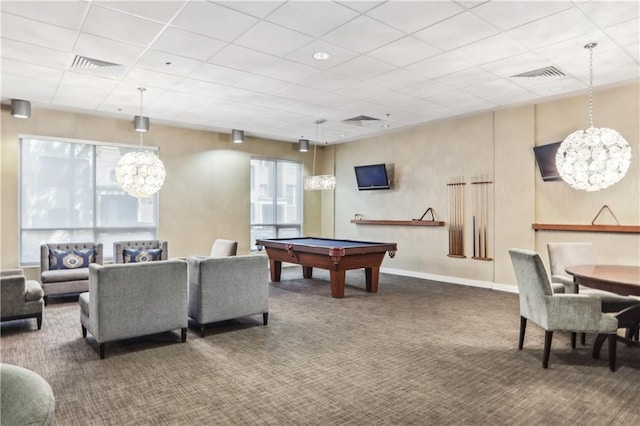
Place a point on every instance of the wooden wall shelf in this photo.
(630, 229)
(398, 222)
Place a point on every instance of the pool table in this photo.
(337, 256)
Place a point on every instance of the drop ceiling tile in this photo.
(501, 92)
(120, 26)
(544, 32)
(37, 33)
(312, 18)
(276, 103)
(333, 100)
(490, 49)
(439, 65)
(412, 16)
(467, 78)
(261, 84)
(362, 68)
(362, 35)
(213, 20)
(338, 55)
(633, 50)
(364, 92)
(454, 32)
(30, 71)
(625, 33)
(557, 87)
(63, 14)
(462, 102)
(83, 91)
(125, 99)
(397, 99)
(167, 63)
(35, 54)
(184, 43)
(107, 50)
(287, 70)
(574, 48)
(608, 13)
(405, 51)
(259, 8)
(361, 5)
(160, 11)
(396, 79)
(428, 110)
(145, 77)
(218, 74)
(510, 14)
(242, 58)
(426, 89)
(273, 39)
(20, 87)
(198, 87)
(327, 81)
(302, 93)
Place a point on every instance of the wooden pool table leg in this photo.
(371, 277)
(307, 271)
(337, 283)
(276, 268)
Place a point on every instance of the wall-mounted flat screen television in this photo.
(546, 159)
(373, 176)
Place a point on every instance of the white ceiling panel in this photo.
(184, 43)
(213, 20)
(413, 16)
(314, 18)
(120, 26)
(273, 39)
(457, 31)
(405, 51)
(34, 32)
(249, 64)
(63, 14)
(363, 34)
(510, 14)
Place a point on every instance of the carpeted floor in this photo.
(416, 353)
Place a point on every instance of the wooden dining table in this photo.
(619, 279)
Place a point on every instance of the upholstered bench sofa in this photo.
(134, 299)
(64, 267)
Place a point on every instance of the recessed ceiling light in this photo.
(556, 89)
(321, 56)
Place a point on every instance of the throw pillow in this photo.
(71, 259)
(141, 255)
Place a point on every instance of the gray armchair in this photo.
(134, 299)
(562, 255)
(20, 298)
(140, 251)
(228, 287)
(557, 312)
(224, 248)
(64, 267)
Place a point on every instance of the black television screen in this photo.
(546, 159)
(373, 176)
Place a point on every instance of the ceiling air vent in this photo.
(96, 66)
(549, 71)
(362, 121)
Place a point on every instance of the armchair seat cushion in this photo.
(33, 291)
(61, 275)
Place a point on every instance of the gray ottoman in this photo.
(27, 399)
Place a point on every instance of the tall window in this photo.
(276, 199)
(68, 193)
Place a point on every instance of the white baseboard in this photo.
(452, 280)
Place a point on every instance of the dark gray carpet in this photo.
(415, 353)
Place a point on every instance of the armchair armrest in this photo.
(11, 272)
(579, 313)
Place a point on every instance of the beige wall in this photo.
(499, 144)
(206, 191)
(205, 194)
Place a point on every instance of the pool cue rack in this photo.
(480, 219)
(455, 190)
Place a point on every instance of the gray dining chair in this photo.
(557, 312)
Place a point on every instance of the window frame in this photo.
(95, 229)
(277, 226)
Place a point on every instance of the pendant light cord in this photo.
(142, 90)
(590, 46)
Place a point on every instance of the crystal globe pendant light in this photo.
(140, 173)
(594, 158)
(318, 182)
